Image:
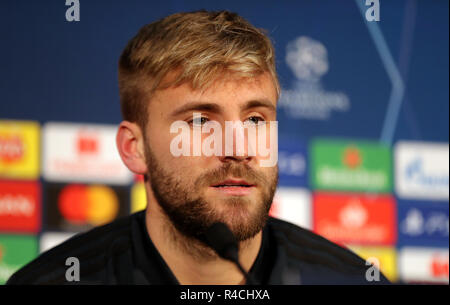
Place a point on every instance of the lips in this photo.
(234, 187)
(233, 183)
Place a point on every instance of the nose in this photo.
(237, 159)
(236, 143)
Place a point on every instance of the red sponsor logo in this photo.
(355, 218)
(11, 148)
(439, 267)
(20, 209)
(87, 143)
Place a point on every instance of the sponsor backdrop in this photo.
(363, 124)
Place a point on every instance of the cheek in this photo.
(266, 141)
(159, 140)
(270, 173)
(156, 137)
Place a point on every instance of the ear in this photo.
(130, 143)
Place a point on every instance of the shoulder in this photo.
(303, 243)
(317, 258)
(92, 249)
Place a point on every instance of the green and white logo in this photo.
(350, 166)
(15, 252)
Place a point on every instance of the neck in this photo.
(191, 262)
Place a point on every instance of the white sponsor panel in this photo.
(293, 205)
(422, 170)
(419, 264)
(49, 240)
(82, 153)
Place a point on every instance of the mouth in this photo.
(233, 183)
(234, 187)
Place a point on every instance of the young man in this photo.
(197, 69)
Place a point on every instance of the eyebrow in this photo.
(259, 103)
(212, 107)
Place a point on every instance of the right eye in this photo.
(198, 121)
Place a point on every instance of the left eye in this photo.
(256, 120)
(198, 121)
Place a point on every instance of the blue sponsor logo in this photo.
(422, 223)
(415, 173)
(292, 164)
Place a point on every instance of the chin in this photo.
(236, 206)
(239, 215)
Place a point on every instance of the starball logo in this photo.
(308, 99)
(236, 136)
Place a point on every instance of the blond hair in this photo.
(200, 45)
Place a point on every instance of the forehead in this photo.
(227, 90)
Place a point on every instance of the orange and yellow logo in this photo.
(19, 149)
(92, 204)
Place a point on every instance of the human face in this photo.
(194, 191)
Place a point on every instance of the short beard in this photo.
(191, 215)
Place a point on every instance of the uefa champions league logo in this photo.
(308, 60)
